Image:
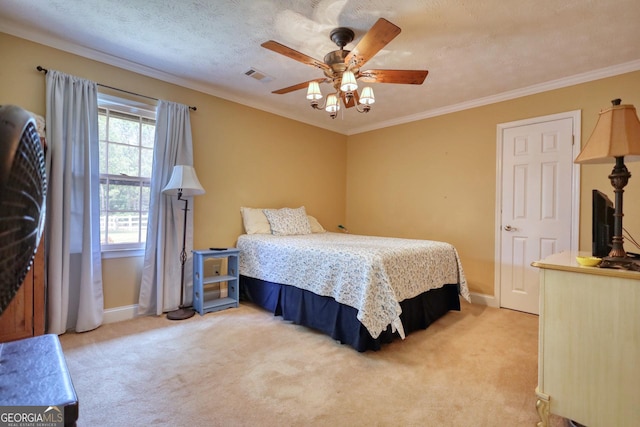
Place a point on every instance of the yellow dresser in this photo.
(589, 343)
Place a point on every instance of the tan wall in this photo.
(243, 156)
(432, 179)
(436, 178)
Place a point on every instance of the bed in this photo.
(363, 291)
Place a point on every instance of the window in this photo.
(127, 136)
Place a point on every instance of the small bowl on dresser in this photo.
(588, 261)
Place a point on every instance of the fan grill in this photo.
(21, 213)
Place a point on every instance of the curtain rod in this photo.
(44, 70)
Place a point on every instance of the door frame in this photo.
(576, 115)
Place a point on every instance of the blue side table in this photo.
(203, 302)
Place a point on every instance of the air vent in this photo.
(258, 75)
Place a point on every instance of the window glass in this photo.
(124, 128)
(126, 156)
(146, 161)
(148, 133)
(123, 160)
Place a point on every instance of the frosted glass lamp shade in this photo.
(183, 180)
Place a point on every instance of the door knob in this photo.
(509, 228)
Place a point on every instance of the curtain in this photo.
(161, 271)
(74, 267)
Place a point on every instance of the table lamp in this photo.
(615, 137)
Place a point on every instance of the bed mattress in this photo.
(371, 274)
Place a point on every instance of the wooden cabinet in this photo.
(25, 315)
(589, 343)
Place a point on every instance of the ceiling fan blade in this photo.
(411, 77)
(299, 86)
(376, 38)
(353, 100)
(293, 54)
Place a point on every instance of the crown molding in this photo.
(58, 43)
(589, 76)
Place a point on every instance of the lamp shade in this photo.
(348, 83)
(332, 103)
(183, 180)
(367, 97)
(617, 134)
(313, 91)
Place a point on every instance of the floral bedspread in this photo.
(371, 274)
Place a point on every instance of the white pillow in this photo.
(288, 221)
(255, 221)
(315, 225)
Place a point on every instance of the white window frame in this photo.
(140, 109)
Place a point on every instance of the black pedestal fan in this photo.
(23, 187)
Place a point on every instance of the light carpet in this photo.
(245, 367)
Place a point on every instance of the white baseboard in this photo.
(118, 314)
(483, 299)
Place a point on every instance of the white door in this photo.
(538, 203)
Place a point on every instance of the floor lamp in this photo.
(183, 182)
(616, 136)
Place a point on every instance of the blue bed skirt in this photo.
(339, 321)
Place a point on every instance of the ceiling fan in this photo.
(343, 67)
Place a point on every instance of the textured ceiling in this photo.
(476, 51)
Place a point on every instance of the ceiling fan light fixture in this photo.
(348, 83)
(367, 97)
(332, 104)
(313, 92)
(343, 67)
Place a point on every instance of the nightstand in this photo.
(205, 301)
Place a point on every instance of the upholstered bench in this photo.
(33, 372)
